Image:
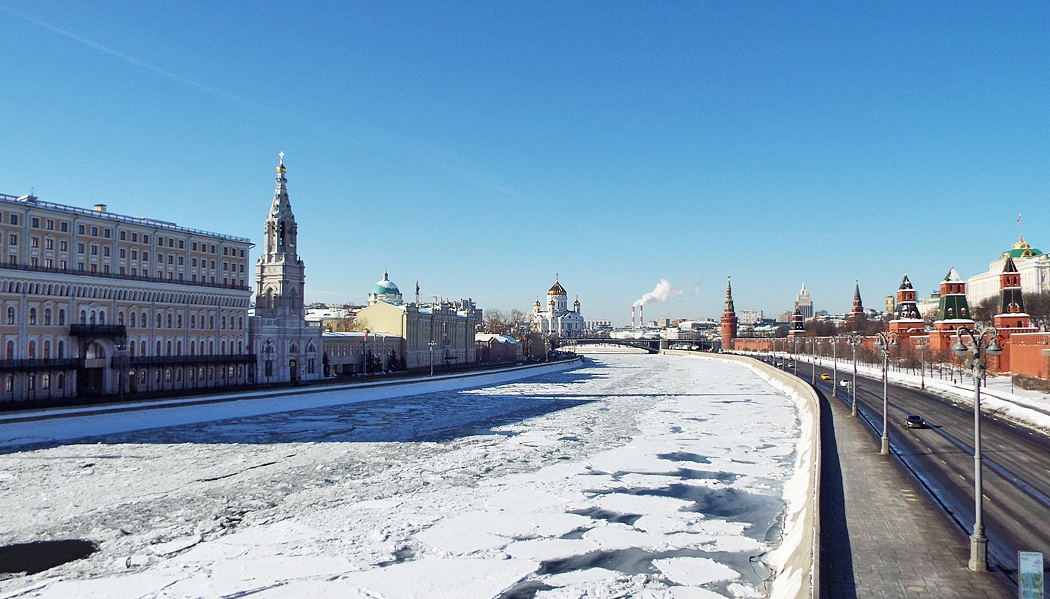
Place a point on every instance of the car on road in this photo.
(915, 421)
(825, 376)
(844, 383)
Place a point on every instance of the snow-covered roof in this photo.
(355, 335)
(486, 337)
(953, 276)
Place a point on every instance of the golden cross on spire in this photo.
(281, 154)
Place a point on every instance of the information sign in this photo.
(1030, 575)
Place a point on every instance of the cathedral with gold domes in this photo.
(556, 318)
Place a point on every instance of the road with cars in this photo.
(1016, 462)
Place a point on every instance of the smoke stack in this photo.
(641, 315)
(632, 317)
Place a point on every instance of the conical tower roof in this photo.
(905, 283)
(1009, 265)
(729, 297)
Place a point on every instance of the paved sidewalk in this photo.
(882, 536)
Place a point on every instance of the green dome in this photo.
(385, 287)
(1022, 250)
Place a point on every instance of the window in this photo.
(10, 350)
(122, 270)
(132, 320)
(105, 250)
(160, 240)
(168, 346)
(120, 318)
(80, 229)
(50, 225)
(94, 250)
(47, 316)
(49, 244)
(47, 350)
(134, 254)
(107, 233)
(171, 258)
(14, 219)
(35, 223)
(12, 239)
(32, 382)
(211, 319)
(80, 248)
(182, 244)
(225, 251)
(213, 249)
(160, 258)
(32, 316)
(169, 321)
(123, 253)
(34, 242)
(144, 321)
(32, 350)
(194, 246)
(145, 256)
(193, 321)
(242, 254)
(61, 317)
(213, 264)
(145, 238)
(171, 242)
(94, 231)
(225, 265)
(193, 263)
(181, 261)
(178, 321)
(242, 267)
(123, 235)
(135, 237)
(61, 349)
(45, 381)
(64, 227)
(63, 246)
(160, 322)
(60, 380)
(11, 315)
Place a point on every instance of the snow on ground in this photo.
(634, 476)
(998, 398)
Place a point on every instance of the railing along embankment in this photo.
(797, 560)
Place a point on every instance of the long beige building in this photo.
(96, 303)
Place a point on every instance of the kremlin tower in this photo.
(953, 312)
(729, 320)
(1011, 317)
(906, 318)
(857, 319)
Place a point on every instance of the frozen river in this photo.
(635, 476)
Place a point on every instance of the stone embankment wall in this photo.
(797, 560)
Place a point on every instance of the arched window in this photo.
(32, 350)
(45, 381)
(47, 350)
(168, 346)
(120, 318)
(11, 315)
(223, 347)
(178, 348)
(9, 383)
(93, 317)
(240, 347)
(132, 319)
(240, 322)
(167, 375)
(60, 381)
(178, 375)
(169, 321)
(61, 349)
(193, 346)
(144, 321)
(32, 316)
(10, 350)
(61, 317)
(95, 352)
(224, 322)
(131, 349)
(160, 320)
(211, 319)
(102, 317)
(178, 321)
(211, 347)
(158, 349)
(193, 320)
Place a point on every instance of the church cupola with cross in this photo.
(279, 273)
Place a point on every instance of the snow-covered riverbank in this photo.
(634, 475)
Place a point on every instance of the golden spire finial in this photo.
(280, 165)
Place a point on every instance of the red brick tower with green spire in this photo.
(729, 320)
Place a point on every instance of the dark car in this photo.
(916, 421)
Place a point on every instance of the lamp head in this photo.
(959, 349)
(994, 349)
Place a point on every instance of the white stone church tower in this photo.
(286, 348)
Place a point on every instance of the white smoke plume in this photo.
(663, 292)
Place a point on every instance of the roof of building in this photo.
(953, 276)
(1009, 266)
(557, 289)
(1021, 249)
(906, 284)
(486, 337)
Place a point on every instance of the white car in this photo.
(844, 383)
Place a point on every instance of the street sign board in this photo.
(1030, 575)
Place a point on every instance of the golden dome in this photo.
(557, 289)
(537, 303)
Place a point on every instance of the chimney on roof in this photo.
(100, 207)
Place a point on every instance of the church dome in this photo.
(385, 287)
(557, 289)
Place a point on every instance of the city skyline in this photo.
(481, 151)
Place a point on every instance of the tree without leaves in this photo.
(985, 311)
(1038, 307)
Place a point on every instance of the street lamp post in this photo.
(885, 342)
(794, 357)
(834, 366)
(854, 340)
(431, 344)
(268, 350)
(920, 344)
(813, 361)
(983, 344)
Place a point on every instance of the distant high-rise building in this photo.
(804, 303)
(750, 316)
(891, 306)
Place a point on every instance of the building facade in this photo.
(439, 334)
(1033, 269)
(804, 303)
(97, 303)
(557, 318)
(288, 348)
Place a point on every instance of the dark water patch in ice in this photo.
(684, 456)
(722, 477)
(676, 429)
(575, 534)
(569, 438)
(401, 555)
(525, 589)
(596, 513)
(38, 556)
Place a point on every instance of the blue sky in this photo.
(480, 148)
